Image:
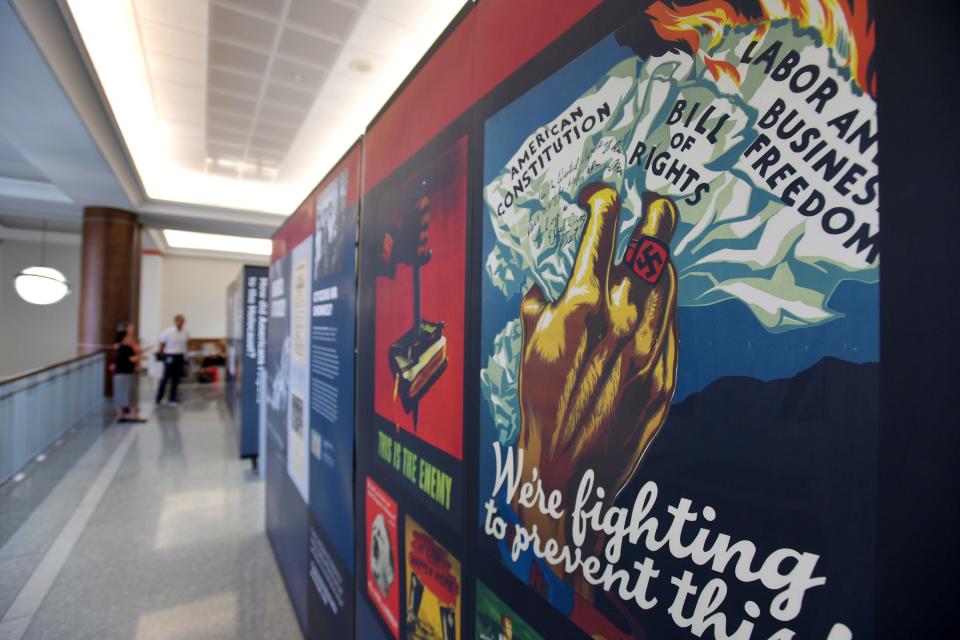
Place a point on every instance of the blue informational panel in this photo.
(285, 473)
(332, 332)
(247, 313)
(310, 402)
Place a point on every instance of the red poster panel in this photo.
(382, 556)
(455, 77)
(419, 326)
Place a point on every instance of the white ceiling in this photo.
(271, 91)
(233, 80)
(246, 104)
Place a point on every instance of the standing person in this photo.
(173, 347)
(126, 365)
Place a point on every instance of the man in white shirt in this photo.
(172, 349)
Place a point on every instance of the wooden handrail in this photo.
(33, 372)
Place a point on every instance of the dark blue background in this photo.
(331, 490)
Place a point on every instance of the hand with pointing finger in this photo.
(598, 365)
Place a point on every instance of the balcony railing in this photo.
(39, 406)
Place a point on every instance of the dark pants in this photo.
(172, 371)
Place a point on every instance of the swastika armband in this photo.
(647, 257)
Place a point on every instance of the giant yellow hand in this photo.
(599, 365)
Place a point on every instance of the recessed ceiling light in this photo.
(360, 65)
(298, 77)
(217, 242)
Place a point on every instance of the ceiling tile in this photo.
(259, 142)
(379, 36)
(185, 130)
(275, 131)
(226, 171)
(281, 114)
(227, 24)
(171, 68)
(179, 112)
(224, 150)
(267, 157)
(330, 18)
(189, 15)
(226, 136)
(234, 83)
(183, 94)
(229, 120)
(405, 13)
(268, 8)
(307, 48)
(172, 41)
(234, 104)
(285, 95)
(234, 57)
(290, 72)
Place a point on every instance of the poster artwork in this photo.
(433, 587)
(497, 621)
(383, 556)
(679, 330)
(418, 352)
(299, 303)
(298, 453)
(278, 362)
(334, 222)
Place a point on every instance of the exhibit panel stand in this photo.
(246, 356)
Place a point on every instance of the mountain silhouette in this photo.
(785, 463)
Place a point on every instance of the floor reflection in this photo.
(171, 440)
(211, 617)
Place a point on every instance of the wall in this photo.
(151, 281)
(35, 336)
(194, 287)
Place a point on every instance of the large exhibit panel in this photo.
(336, 205)
(410, 401)
(411, 363)
(679, 362)
(310, 408)
(676, 375)
(617, 333)
(247, 315)
(288, 403)
(418, 325)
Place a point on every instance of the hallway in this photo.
(145, 531)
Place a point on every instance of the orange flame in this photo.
(719, 68)
(844, 25)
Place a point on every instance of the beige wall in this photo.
(195, 287)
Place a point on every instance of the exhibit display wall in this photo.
(581, 340)
(310, 402)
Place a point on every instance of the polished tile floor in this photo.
(143, 532)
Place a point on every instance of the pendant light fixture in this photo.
(41, 285)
